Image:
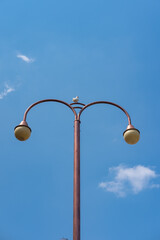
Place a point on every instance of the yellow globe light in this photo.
(22, 132)
(131, 135)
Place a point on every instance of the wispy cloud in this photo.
(6, 91)
(25, 58)
(130, 180)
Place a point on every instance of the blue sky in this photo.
(98, 50)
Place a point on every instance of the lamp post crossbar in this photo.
(23, 131)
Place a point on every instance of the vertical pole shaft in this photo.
(76, 188)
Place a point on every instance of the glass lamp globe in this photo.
(22, 132)
(131, 135)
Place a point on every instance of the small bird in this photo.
(76, 99)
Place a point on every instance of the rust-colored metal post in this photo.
(76, 190)
(76, 180)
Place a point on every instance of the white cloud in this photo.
(25, 58)
(127, 180)
(6, 91)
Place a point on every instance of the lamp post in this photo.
(23, 132)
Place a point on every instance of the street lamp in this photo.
(131, 136)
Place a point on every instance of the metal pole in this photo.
(76, 188)
(76, 181)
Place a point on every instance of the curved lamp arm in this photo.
(131, 134)
(23, 131)
(48, 100)
(106, 102)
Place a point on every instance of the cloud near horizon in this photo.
(130, 180)
(25, 58)
(6, 91)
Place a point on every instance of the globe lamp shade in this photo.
(131, 136)
(22, 132)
